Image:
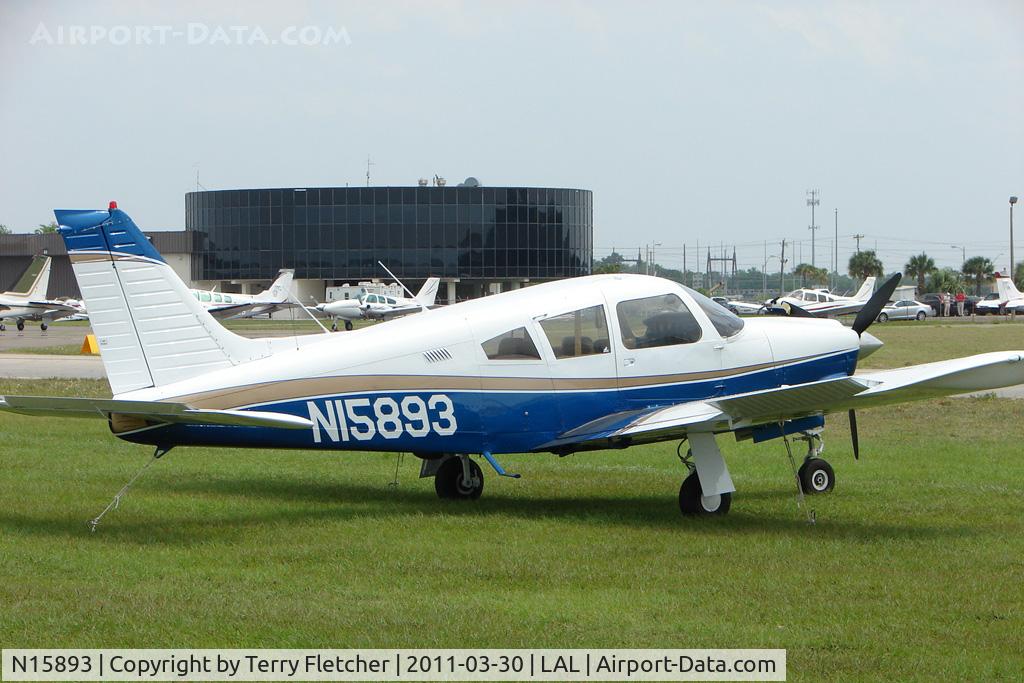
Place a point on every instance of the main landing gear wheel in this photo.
(3, 328)
(43, 326)
(692, 500)
(21, 326)
(334, 326)
(450, 480)
(348, 325)
(816, 476)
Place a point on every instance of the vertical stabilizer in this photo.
(34, 282)
(1006, 289)
(428, 292)
(866, 289)
(150, 329)
(280, 290)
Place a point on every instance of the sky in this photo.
(692, 122)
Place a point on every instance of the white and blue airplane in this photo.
(607, 361)
(27, 299)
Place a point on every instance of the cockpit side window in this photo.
(512, 345)
(579, 333)
(725, 322)
(653, 321)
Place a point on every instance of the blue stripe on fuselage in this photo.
(493, 421)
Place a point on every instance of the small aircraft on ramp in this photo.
(229, 305)
(605, 361)
(378, 306)
(27, 301)
(821, 302)
(1008, 299)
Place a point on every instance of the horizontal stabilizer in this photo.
(151, 411)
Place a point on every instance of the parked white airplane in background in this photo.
(378, 306)
(823, 303)
(605, 361)
(224, 305)
(27, 300)
(1009, 299)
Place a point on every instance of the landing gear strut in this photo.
(704, 461)
(460, 478)
(815, 474)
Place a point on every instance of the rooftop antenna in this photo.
(368, 165)
(198, 184)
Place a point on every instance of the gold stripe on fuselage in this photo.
(287, 390)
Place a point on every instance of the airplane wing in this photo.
(388, 314)
(152, 411)
(248, 309)
(863, 390)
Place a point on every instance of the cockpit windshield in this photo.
(725, 321)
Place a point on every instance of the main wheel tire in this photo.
(21, 326)
(816, 476)
(921, 315)
(348, 325)
(450, 482)
(883, 317)
(334, 326)
(692, 500)
(43, 326)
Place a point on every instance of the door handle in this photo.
(719, 347)
(627, 362)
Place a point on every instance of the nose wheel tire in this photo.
(450, 480)
(816, 476)
(334, 326)
(43, 326)
(21, 326)
(348, 325)
(692, 500)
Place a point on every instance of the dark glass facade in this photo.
(339, 233)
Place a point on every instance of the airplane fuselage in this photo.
(436, 383)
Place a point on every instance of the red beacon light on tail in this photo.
(113, 205)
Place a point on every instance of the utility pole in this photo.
(858, 238)
(813, 201)
(835, 261)
(1013, 200)
(782, 270)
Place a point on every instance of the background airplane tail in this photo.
(428, 292)
(280, 290)
(1007, 290)
(150, 329)
(866, 289)
(34, 282)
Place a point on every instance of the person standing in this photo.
(942, 304)
(960, 299)
(947, 302)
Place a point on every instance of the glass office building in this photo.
(484, 234)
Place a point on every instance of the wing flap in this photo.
(153, 411)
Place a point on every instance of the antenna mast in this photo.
(813, 201)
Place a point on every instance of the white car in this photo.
(905, 309)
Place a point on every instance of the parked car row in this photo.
(905, 309)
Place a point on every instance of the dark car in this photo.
(932, 299)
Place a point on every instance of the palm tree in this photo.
(864, 264)
(4, 230)
(979, 268)
(1018, 274)
(944, 280)
(920, 266)
(45, 228)
(803, 270)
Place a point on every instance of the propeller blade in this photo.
(797, 312)
(853, 434)
(876, 303)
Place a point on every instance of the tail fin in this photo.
(1007, 290)
(428, 292)
(866, 289)
(34, 282)
(280, 290)
(151, 330)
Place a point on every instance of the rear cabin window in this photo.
(204, 296)
(218, 299)
(579, 333)
(662, 320)
(513, 345)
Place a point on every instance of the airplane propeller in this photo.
(861, 323)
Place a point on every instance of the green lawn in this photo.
(910, 343)
(914, 569)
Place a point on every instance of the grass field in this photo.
(914, 570)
